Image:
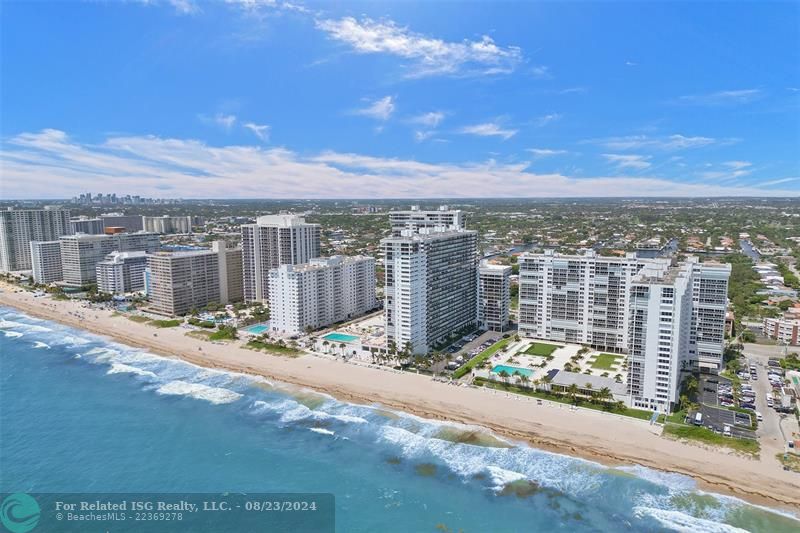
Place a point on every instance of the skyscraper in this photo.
(19, 227)
(46, 261)
(494, 296)
(272, 241)
(81, 253)
(177, 282)
(431, 287)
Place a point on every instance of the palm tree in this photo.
(572, 390)
(503, 375)
(605, 394)
(588, 387)
(525, 381)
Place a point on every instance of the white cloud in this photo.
(630, 64)
(547, 119)
(670, 142)
(380, 109)
(428, 55)
(546, 152)
(541, 72)
(741, 96)
(259, 130)
(226, 122)
(738, 165)
(623, 161)
(489, 129)
(184, 7)
(430, 119)
(49, 163)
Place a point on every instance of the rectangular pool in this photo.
(340, 337)
(257, 329)
(511, 369)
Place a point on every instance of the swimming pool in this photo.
(340, 337)
(257, 329)
(511, 369)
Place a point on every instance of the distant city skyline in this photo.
(404, 100)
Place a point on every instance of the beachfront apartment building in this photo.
(321, 292)
(122, 272)
(431, 285)
(494, 296)
(177, 282)
(416, 218)
(92, 226)
(129, 223)
(81, 253)
(20, 227)
(709, 307)
(167, 224)
(580, 299)
(660, 325)
(784, 330)
(46, 261)
(275, 240)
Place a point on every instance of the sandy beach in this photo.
(602, 437)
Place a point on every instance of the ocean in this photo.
(79, 413)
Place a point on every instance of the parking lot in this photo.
(716, 417)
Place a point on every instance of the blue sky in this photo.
(400, 99)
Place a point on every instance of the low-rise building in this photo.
(321, 292)
(784, 330)
(168, 224)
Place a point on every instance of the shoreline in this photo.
(611, 440)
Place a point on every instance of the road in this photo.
(776, 428)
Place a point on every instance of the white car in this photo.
(759, 417)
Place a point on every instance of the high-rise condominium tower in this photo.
(272, 241)
(20, 227)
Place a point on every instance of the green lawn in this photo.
(541, 349)
(273, 348)
(707, 436)
(633, 413)
(166, 323)
(606, 361)
(139, 318)
(481, 357)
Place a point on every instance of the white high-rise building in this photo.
(81, 253)
(272, 241)
(177, 282)
(122, 272)
(431, 285)
(416, 218)
(46, 261)
(168, 224)
(580, 299)
(320, 292)
(660, 326)
(494, 296)
(710, 297)
(92, 226)
(20, 227)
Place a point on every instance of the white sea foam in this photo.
(40, 344)
(684, 523)
(7, 324)
(323, 431)
(671, 480)
(502, 477)
(121, 368)
(199, 391)
(13, 334)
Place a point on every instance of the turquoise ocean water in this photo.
(79, 413)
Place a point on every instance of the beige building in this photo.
(494, 296)
(177, 282)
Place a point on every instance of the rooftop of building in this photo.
(565, 379)
(283, 220)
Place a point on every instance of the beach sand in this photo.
(606, 438)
